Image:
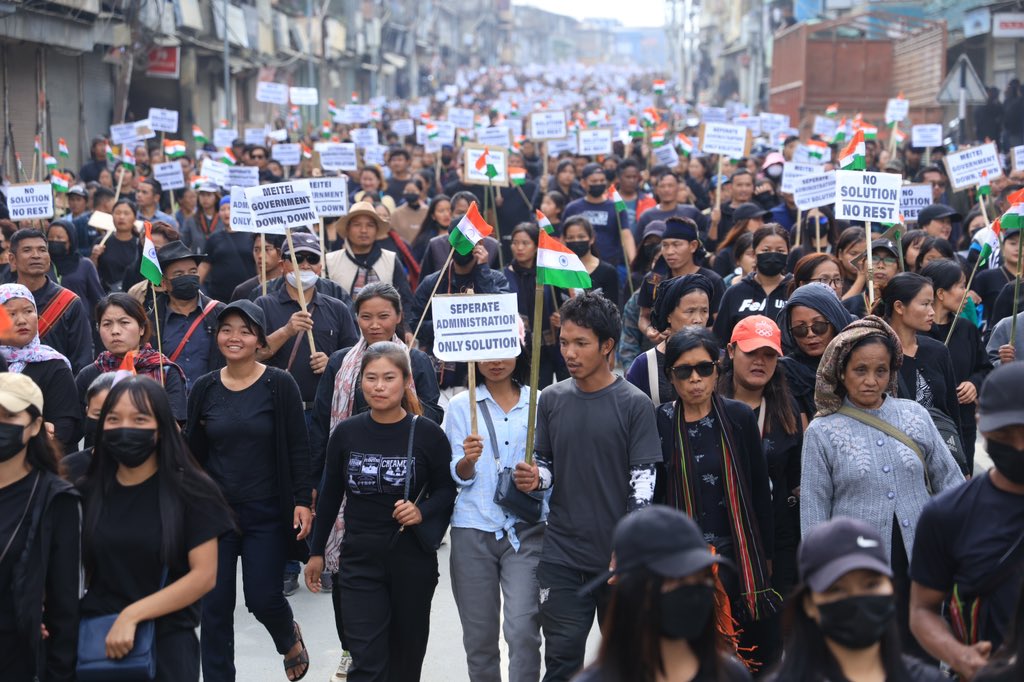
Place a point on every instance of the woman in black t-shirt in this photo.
(113, 258)
(394, 469)
(229, 260)
(152, 520)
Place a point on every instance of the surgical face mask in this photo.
(684, 611)
(308, 278)
(130, 447)
(581, 249)
(12, 440)
(412, 199)
(185, 287)
(771, 263)
(857, 622)
(596, 190)
(1008, 460)
(57, 249)
(773, 172)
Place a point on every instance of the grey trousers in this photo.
(483, 570)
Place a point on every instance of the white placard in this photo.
(241, 216)
(242, 176)
(896, 110)
(169, 175)
(364, 137)
(792, 171)
(666, 155)
(279, 135)
(122, 133)
(714, 115)
(1017, 158)
(476, 327)
(912, 199)
(964, 167)
(805, 153)
(304, 96)
(375, 154)
(279, 206)
(727, 140)
(868, 197)
(825, 127)
(271, 93)
(216, 171)
(224, 137)
(356, 113)
(255, 136)
(499, 136)
(812, 191)
(595, 141)
(101, 221)
(287, 154)
(144, 129)
(926, 135)
(773, 123)
(548, 125)
(496, 157)
(338, 156)
(30, 201)
(164, 120)
(330, 195)
(403, 127)
(445, 132)
(565, 144)
(461, 118)
(752, 123)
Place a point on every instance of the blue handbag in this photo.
(93, 664)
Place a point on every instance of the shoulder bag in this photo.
(430, 531)
(513, 501)
(887, 428)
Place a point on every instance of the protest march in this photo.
(578, 369)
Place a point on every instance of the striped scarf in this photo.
(759, 599)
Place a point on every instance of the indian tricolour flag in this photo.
(544, 224)
(49, 162)
(150, 267)
(685, 144)
(870, 132)
(110, 153)
(816, 149)
(128, 158)
(175, 149)
(126, 370)
(659, 87)
(984, 189)
(1014, 218)
(432, 131)
(900, 136)
(651, 117)
(517, 176)
(62, 148)
(470, 230)
(332, 108)
(635, 131)
(198, 135)
(60, 182)
(841, 130)
(614, 195)
(484, 165)
(558, 266)
(853, 156)
(832, 109)
(228, 157)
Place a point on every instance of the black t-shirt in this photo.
(231, 263)
(60, 399)
(239, 427)
(13, 500)
(732, 671)
(606, 278)
(961, 536)
(988, 284)
(927, 378)
(116, 259)
(125, 551)
(746, 298)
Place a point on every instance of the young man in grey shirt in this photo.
(597, 438)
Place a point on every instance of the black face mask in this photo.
(130, 447)
(185, 287)
(12, 440)
(684, 612)
(463, 261)
(412, 199)
(581, 249)
(597, 191)
(771, 263)
(609, 175)
(91, 425)
(1008, 460)
(650, 251)
(857, 622)
(57, 249)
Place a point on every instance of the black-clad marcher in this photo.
(40, 517)
(762, 292)
(70, 269)
(247, 430)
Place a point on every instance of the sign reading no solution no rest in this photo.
(471, 327)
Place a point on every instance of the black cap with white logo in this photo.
(833, 549)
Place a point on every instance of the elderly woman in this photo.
(870, 455)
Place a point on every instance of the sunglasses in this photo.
(703, 370)
(311, 258)
(819, 328)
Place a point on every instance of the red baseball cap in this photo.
(757, 331)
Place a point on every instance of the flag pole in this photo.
(799, 225)
(817, 235)
(981, 205)
(1016, 290)
(159, 341)
(963, 301)
(871, 268)
(298, 282)
(323, 243)
(263, 261)
(536, 329)
(440, 274)
(898, 241)
(471, 375)
(622, 240)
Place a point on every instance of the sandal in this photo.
(300, 659)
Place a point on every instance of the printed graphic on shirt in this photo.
(749, 304)
(924, 391)
(596, 217)
(376, 474)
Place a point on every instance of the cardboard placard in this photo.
(101, 221)
(279, 206)
(727, 140)
(896, 110)
(498, 136)
(792, 171)
(144, 129)
(496, 157)
(330, 195)
(964, 167)
(287, 154)
(122, 133)
(595, 141)
(666, 155)
(474, 327)
(926, 135)
(304, 96)
(242, 176)
(461, 118)
(216, 171)
(868, 197)
(812, 191)
(364, 137)
(30, 201)
(548, 125)
(255, 136)
(169, 175)
(224, 137)
(241, 216)
(269, 92)
(403, 127)
(912, 199)
(338, 156)
(375, 154)
(825, 127)
(164, 120)
(1017, 158)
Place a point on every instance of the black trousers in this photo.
(177, 656)
(566, 617)
(386, 585)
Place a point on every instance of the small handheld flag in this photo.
(470, 230)
(558, 266)
(150, 266)
(544, 224)
(198, 135)
(62, 148)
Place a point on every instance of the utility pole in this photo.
(227, 64)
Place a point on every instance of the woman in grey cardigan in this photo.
(852, 468)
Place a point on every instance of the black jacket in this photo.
(216, 359)
(71, 336)
(746, 298)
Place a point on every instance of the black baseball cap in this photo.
(831, 550)
(590, 169)
(302, 241)
(661, 539)
(935, 212)
(885, 245)
(249, 311)
(999, 403)
(749, 210)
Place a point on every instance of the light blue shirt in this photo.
(475, 507)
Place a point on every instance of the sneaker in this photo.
(342, 672)
(291, 584)
(326, 582)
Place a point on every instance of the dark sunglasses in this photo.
(818, 328)
(703, 370)
(311, 258)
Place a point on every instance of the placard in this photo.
(242, 176)
(727, 140)
(926, 135)
(30, 201)
(812, 191)
(461, 118)
(338, 156)
(474, 327)
(241, 216)
(355, 113)
(279, 206)
(403, 127)
(825, 127)
(868, 197)
(548, 125)
(445, 132)
(144, 129)
(1017, 158)
(271, 93)
(896, 109)
(216, 171)
(101, 221)
(224, 137)
(752, 123)
(279, 135)
(304, 96)
(714, 115)
(169, 175)
(805, 153)
(595, 142)
(375, 154)
(485, 165)
(792, 171)
(772, 123)
(255, 136)
(912, 199)
(666, 155)
(287, 154)
(565, 144)
(122, 133)
(164, 120)
(330, 195)
(364, 137)
(964, 167)
(498, 136)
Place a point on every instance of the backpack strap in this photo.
(173, 357)
(888, 429)
(652, 375)
(56, 308)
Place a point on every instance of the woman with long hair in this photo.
(664, 618)
(152, 519)
(578, 235)
(743, 256)
(113, 259)
(40, 560)
(933, 249)
(850, 246)
(436, 223)
(910, 243)
(392, 469)
(762, 291)
(75, 464)
(753, 220)
(552, 206)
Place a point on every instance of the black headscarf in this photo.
(69, 262)
(800, 368)
(668, 294)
